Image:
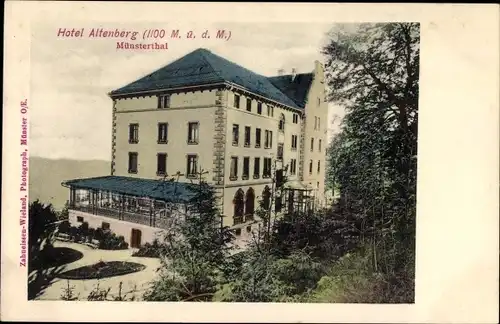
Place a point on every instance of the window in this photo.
(294, 142)
(293, 166)
(319, 165)
(319, 123)
(236, 134)
(266, 172)
(163, 101)
(161, 168)
(269, 139)
(192, 166)
(282, 123)
(319, 101)
(291, 195)
(266, 198)
(247, 136)
(132, 162)
(256, 168)
(79, 219)
(319, 145)
(105, 226)
(257, 137)
(246, 168)
(272, 111)
(268, 110)
(236, 101)
(280, 152)
(249, 204)
(237, 231)
(249, 104)
(312, 144)
(259, 108)
(162, 133)
(233, 171)
(310, 166)
(133, 133)
(193, 132)
(295, 119)
(277, 204)
(239, 206)
(315, 122)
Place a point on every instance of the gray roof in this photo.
(202, 67)
(168, 191)
(295, 88)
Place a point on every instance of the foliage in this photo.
(41, 229)
(353, 280)
(150, 250)
(98, 294)
(64, 213)
(374, 73)
(196, 251)
(84, 234)
(112, 242)
(102, 269)
(68, 293)
(324, 234)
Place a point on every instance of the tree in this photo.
(42, 224)
(196, 250)
(373, 71)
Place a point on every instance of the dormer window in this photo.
(163, 101)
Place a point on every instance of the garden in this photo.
(93, 237)
(102, 269)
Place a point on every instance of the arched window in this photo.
(249, 204)
(282, 123)
(239, 204)
(266, 198)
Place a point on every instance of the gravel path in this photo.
(138, 281)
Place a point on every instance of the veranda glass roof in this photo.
(164, 190)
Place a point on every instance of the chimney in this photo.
(281, 72)
(294, 72)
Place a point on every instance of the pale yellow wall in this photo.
(177, 147)
(244, 118)
(314, 110)
(177, 101)
(230, 192)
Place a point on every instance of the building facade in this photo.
(205, 114)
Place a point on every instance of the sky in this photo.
(70, 111)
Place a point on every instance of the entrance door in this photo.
(135, 240)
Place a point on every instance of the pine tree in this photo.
(197, 249)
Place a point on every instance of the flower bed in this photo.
(102, 270)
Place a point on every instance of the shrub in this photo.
(353, 280)
(64, 227)
(112, 242)
(85, 234)
(150, 250)
(84, 229)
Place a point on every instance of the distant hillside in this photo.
(46, 175)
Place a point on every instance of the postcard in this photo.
(218, 162)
